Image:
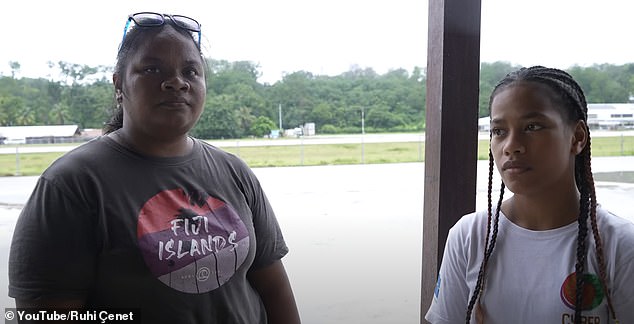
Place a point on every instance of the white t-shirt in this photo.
(530, 275)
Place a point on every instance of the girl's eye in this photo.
(497, 132)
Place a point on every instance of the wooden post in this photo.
(451, 135)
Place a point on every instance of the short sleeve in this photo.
(452, 292)
(52, 253)
(622, 293)
(270, 241)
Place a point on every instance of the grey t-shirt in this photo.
(174, 237)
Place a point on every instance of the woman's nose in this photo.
(175, 83)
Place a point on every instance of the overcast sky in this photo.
(320, 36)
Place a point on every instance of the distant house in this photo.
(40, 134)
(611, 115)
(484, 124)
(90, 133)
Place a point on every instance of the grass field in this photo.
(326, 154)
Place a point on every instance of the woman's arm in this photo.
(271, 282)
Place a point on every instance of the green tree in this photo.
(59, 113)
(381, 118)
(14, 111)
(603, 83)
(15, 68)
(262, 126)
(490, 75)
(323, 114)
(218, 120)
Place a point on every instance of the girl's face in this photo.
(534, 148)
(163, 86)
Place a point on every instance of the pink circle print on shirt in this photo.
(592, 291)
(191, 241)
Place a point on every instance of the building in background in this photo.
(40, 134)
(611, 116)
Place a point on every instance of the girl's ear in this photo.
(580, 137)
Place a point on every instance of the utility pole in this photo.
(362, 136)
(279, 110)
(362, 122)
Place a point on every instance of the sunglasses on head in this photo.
(153, 19)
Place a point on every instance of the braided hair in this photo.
(572, 101)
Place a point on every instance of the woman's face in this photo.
(163, 86)
(533, 146)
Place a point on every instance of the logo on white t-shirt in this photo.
(592, 291)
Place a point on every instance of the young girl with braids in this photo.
(549, 253)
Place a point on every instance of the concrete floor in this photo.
(354, 233)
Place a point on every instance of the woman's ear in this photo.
(117, 86)
(580, 137)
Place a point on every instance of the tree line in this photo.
(238, 105)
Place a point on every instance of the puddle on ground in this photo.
(620, 176)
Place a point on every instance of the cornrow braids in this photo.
(571, 99)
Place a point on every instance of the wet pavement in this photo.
(354, 231)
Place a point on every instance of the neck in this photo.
(542, 212)
(153, 146)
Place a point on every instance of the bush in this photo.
(328, 129)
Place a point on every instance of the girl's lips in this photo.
(515, 167)
(516, 170)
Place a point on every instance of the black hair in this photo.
(130, 44)
(569, 97)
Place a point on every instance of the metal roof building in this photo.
(39, 134)
(611, 115)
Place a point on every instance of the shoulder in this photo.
(615, 229)
(473, 224)
(468, 232)
(617, 236)
(83, 157)
(226, 163)
(221, 156)
(612, 225)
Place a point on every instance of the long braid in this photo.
(487, 250)
(585, 180)
(595, 231)
(572, 99)
(581, 251)
(585, 171)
